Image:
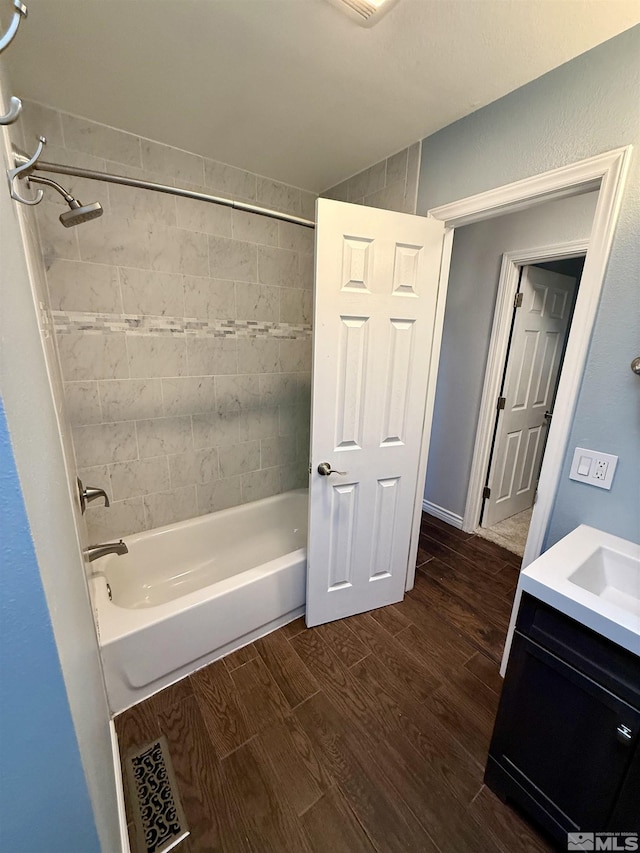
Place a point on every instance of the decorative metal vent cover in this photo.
(157, 812)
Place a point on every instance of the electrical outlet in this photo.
(592, 467)
(600, 469)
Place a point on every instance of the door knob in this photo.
(325, 469)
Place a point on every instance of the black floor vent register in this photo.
(159, 819)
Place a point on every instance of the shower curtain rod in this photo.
(108, 178)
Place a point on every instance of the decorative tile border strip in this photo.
(67, 322)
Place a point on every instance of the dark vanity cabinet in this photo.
(566, 742)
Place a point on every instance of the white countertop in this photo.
(611, 612)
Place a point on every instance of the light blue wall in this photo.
(45, 802)
(586, 107)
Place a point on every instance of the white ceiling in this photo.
(293, 89)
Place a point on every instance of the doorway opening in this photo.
(539, 329)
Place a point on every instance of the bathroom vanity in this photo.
(566, 743)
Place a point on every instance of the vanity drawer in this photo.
(611, 666)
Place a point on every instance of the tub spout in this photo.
(94, 552)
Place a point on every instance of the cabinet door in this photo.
(557, 735)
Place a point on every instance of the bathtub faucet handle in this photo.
(90, 493)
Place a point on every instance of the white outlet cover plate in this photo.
(580, 454)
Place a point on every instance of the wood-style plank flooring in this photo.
(368, 734)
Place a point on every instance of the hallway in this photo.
(368, 734)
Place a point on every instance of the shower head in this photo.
(78, 213)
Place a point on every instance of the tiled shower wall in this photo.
(183, 328)
(391, 184)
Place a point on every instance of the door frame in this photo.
(496, 360)
(605, 172)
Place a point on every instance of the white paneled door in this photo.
(533, 364)
(375, 302)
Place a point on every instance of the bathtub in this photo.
(189, 593)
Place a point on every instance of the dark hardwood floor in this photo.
(368, 734)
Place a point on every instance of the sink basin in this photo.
(594, 578)
(612, 576)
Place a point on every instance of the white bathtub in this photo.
(192, 592)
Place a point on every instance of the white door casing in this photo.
(375, 302)
(531, 377)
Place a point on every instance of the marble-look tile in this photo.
(295, 355)
(178, 250)
(233, 259)
(96, 477)
(277, 266)
(170, 507)
(293, 477)
(122, 518)
(42, 121)
(260, 484)
(308, 205)
(82, 403)
(413, 176)
(156, 355)
(194, 468)
(220, 494)
(280, 450)
(258, 423)
(253, 228)
(307, 269)
(80, 286)
(303, 388)
(294, 420)
(202, 216)
(296, 306)
(229, 181)
(209, 298)
(218, 429)
(92, 356)
(139, 477)
(100, 140)
(156, 293)
(162, 436)
(131, 399)
(239, 458)
(278, 389)
(135, 203)
(212, 356)
(237, 392)
(296, 238)
(189, 395)
(258, 355)
(180, 165)
(100, 444)
(55, 240)
(397, 167)
(257, 302)
(278, 196)
(391, 197)
(339, 193)
(368, 181)
(115, 240)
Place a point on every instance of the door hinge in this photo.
(502, 402)
(517, 302)
(486, 492)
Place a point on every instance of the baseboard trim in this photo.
(122, 814)
(443, 514)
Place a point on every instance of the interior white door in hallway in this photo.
(531, 378)
(375, 303)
